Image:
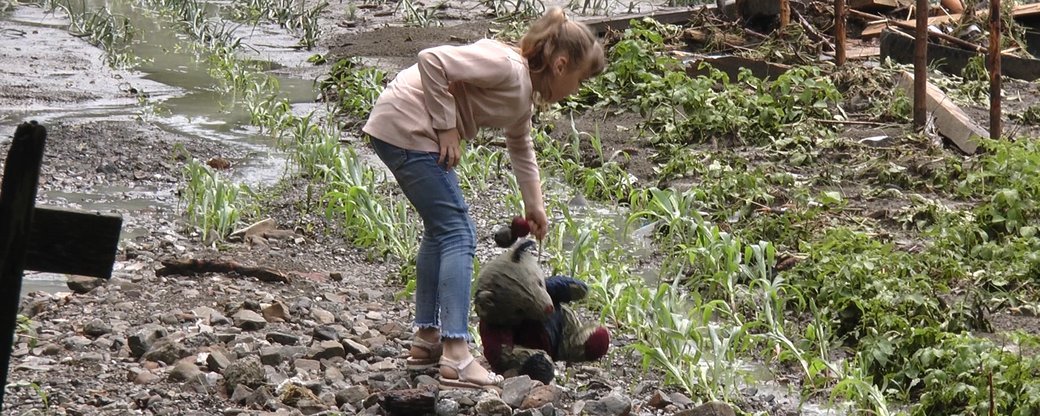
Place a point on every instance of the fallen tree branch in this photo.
(860, 122)
(191, 267)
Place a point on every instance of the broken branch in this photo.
(191, 267)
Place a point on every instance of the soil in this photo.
(84, 350)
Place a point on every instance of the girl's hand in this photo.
(450, 154)
(538, 222)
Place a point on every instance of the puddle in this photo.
(187, 101)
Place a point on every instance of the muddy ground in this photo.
(332, 340)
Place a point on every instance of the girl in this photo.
(415, 128)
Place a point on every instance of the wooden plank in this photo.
(899, 46)
(732, 65)
(950, 120)
(69, 242)
(874, 28)
(878, 4)
(606, 24)
(17, 197)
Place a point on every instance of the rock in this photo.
(260, 397)
(528, 412)
(614, 404)
(141, 341)
(409, 401)
(217, 362)
(306, 366)
(276, 312)
(241, 394)
(145, 377)
(271, 356)
(709, 409)
(249, 320)
(245, 371)
(184, 371)
(211, 316)
(540, 396)
(77, 343)
(166, 350)
(51, 349)
(83, 284)
(96, 328)
(336, 276)
(352, 395)
(282, 338)
(355, 348)
(425, 380)
(515, 389)
(326, 350)
(310, 406)
(493, 406)
(323, 317)
(680, 400)
(659, 400)
(325, 333)
(447, 407)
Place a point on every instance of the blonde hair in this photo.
(553, 35)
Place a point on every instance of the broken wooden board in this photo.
(732, 65)
(601, 26)
(950, 120)
(900, 47)
(879, 4)
(1023, 11)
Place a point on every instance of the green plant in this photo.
(353, 86)
(214, 205)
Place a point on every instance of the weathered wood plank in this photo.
(82, 243)
(878, 4)
(17, 197)
(951, 121)
(1020, 12)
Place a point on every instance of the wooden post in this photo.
(17, 198)
(785, 13)
(921, 65)
(994, 69)
(839, 32)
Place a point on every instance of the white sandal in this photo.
(460, 380)
(434, 350)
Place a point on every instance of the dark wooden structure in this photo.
(899, 47)
(41, 239)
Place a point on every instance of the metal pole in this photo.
(839, 32)
(994, 69)
(921, 65)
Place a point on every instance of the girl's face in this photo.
(566, 79)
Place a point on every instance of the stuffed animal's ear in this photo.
(484, 301)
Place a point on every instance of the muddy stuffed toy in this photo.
(525, 323)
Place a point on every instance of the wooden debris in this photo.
(899, 46)
(879, 4)
(950, 120)
(191, 267)
(874, 27)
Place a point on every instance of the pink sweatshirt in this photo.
(484, 84)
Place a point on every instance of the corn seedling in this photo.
(213, 204)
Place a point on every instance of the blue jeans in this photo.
(444, 266)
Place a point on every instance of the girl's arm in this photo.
(525, 168)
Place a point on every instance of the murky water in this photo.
(188, 103)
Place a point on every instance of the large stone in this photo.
(323, 317)
(325, 333)
(76, 343)
(141, 341)
(447, 407)
(493, 406)
(352, 395)
(540, 396)
(659, 400)
(166, 350)
(515, 389)
(249, 320)
(185, 371)
(83, 284)
(276, 312)
(709, 409)
(614, 404)
(355, 348)
(245, 371)
(271, 356)
(327, 350)
(282, 338)
(96, 328)
(241, 394)
(217, 361)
